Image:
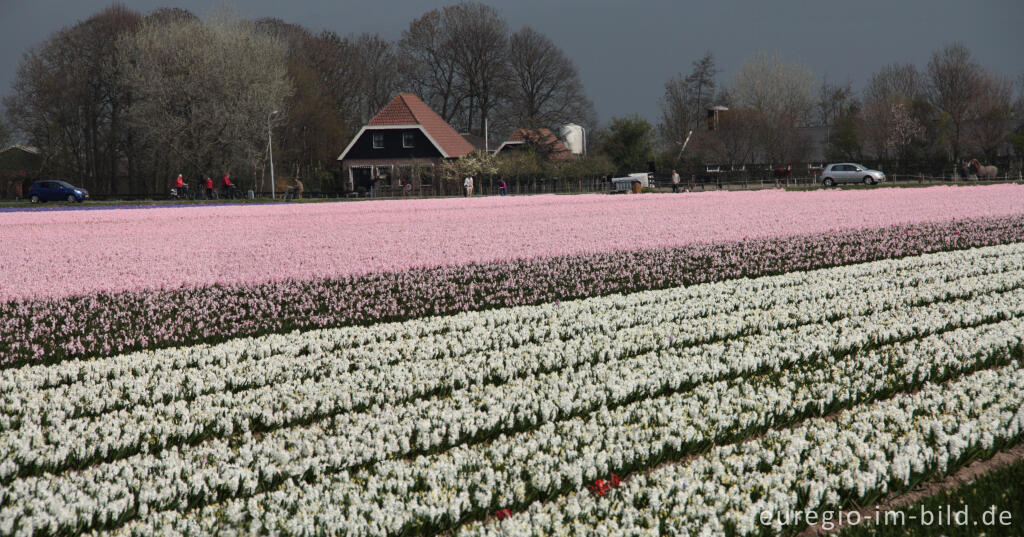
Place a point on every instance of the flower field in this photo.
(695, 387)
(85, 251)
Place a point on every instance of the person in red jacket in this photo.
(227, 186)
(180, 188)
(209, 188)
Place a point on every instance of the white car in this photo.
(847, 172)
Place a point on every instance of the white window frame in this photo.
(412, 140)
(375, 137)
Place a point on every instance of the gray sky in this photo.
(626, 51)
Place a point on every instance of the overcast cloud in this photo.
(626, 51)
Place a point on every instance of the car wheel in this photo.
(868, 180)
(828, 182)
(72, 199)
(35, 199)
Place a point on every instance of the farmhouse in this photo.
(542, 141)
(401, 145)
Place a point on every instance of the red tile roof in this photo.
(540, 137)
(408, 109)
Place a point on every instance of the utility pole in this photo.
(681, 149)
(270, 143)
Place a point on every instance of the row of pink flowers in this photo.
(55, 329)
(68, 253)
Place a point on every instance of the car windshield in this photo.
(63, 184)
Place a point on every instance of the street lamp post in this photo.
(270, 144)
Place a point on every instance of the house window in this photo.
(408, 139)
(384, 175)
(378, 141)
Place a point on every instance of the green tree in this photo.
(844, 142)
(629, 142)
(1017, 140)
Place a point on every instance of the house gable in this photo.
(393, 140)
(407, 111)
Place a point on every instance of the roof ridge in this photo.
(412, 110)
(401, 97)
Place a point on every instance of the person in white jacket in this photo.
(467, 186)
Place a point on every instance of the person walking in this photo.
(503, 187)
(467, 185)
(675, 181)
(299, 188)
(227, 186)
(209, 188)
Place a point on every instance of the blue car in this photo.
(56, 191)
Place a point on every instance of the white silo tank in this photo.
(574, 138)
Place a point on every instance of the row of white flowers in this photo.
(821, 465)
(91, 387)
(545, 460)
(398, 496)
(47, 442)
(487, 408)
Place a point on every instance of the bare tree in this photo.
(336, 63)
(376, 69)
(683, 105)
(678, 115)
(480, 46)
(777, 89)
(782, 94)
(899, 81)
(896, 84)
(204, 91)
(427, 59)
(69, 101)
(835, 101)
(954, 85)
(545, 88)
(307, 139)
(988, 127)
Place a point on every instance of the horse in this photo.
(983, 172)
